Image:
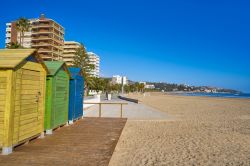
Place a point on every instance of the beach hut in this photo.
(75, 94)
(22, 97)
(57, 95)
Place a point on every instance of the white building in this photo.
(116, 79)
(69, 51)
(95, 60)
(13, 35)
(8, 34)
(149, 86)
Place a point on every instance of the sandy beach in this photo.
(205, 131)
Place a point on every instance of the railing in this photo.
(100, 106)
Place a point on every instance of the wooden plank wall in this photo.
(61, 99)
(3, 91)
(22, 99)
(8, 110)
(29, 102)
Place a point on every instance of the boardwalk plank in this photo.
(90, 141)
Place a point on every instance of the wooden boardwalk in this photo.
(90, 141)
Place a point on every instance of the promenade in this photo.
(132, 111)
(89, 141)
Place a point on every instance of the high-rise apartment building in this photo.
(45, 35)
(95, 60)
(70, 48)
(48, 38)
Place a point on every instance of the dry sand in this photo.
(207, 131)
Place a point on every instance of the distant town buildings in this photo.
(45, 35)
(95, 60)
(116, 79)
(149, 86)
(70, 48)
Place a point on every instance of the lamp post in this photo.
(122, 85)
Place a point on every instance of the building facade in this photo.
(116, 79)
(8, 35)
(45, 35)
(12, 35)
(95, 60)
(70, 49)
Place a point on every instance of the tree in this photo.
(22, 25)
(127, 88)
(141, 87)
(13, 45)
(81, 60)
(98, 84)
(116, 87)
(107, 85)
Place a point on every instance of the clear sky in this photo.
(182, 41)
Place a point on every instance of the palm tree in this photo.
(13, 45)
(22, 25)
(141, 87)
(82, 61)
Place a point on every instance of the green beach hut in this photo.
(57, 95)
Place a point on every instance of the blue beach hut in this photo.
(76, 92)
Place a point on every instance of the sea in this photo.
(223, 95)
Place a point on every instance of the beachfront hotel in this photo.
(70, 48)
(44, 34)
(94, 60)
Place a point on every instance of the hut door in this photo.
(61, 100)
(79, 97)
(30, 91)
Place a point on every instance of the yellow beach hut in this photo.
(22, 97)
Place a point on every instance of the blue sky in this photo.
(182, 41)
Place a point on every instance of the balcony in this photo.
(68, 55)
(7, 41)
(59, 43)
(46, 58)
(69, 59)
(8, 29)
(37, 37)
(41, 32)
(42, 38)
(8, 35)
(41, 44)
(69, 51)
(70, 46)
(41, 25)
(43, 50)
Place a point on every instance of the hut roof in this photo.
(55, 66)
(74, 71)
(12, 58)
